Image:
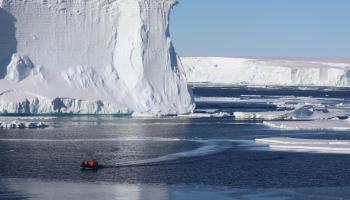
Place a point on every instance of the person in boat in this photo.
(89, 164)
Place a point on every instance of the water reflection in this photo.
(35, 189)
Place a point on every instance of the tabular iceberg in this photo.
(89, 57)
(244, 71)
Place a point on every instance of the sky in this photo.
(262, 28)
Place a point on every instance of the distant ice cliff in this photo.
(266, 72)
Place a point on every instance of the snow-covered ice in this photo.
(220, 70)
(207, 115)
(301, 112)
(331, 125)
(306, 145)
(90, 57)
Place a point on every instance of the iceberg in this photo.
(280, 72)
(90, 57)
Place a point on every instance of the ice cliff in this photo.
(89, 57)
(266, 72)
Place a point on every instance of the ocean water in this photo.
(175, 157)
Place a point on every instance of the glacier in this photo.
(279, 72)
(90, 57)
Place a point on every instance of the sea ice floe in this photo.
(301, 112)
(206, 115)
(334, 125)
(306, 145)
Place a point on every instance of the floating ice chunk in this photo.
(32, 125)
(22, 124)
(42, 125)
(271, 115)
(336, 125)
(206, 115)
(306, 145)
(11, 125)
(304, 112)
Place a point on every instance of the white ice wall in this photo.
(220, 70)
(116, 54)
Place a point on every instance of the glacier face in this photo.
(220, 70)
(90, 57)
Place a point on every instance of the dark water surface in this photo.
(165, 158)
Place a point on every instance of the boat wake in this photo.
(208, 148)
